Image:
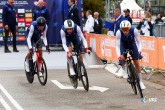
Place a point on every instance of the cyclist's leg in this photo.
(135, 57)
(122, 63)
(69, 59)
(28, 56)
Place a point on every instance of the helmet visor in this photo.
(125, 29)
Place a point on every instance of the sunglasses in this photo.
(125, 29)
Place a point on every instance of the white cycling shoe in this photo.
(142, 85)
(124, 74)
(40, 74)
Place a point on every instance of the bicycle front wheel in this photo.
(41, 72)
(132, 78)
(83, 75)
(29, 75)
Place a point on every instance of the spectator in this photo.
(41, 10)
(117, 19)
(89, 23)
(158, 19)
(73, 12)
(98, 24)
(145, 26)
(127, 15)
(10, 24)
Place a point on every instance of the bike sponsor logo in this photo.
(164, 53)
(21, 15)
(28, 20)
(21, 24)
(148, 44)
(21, 10)
(1, 10)
(21, 19)
(93, 44)
(145, 57)
(28, 11)
(28, 15)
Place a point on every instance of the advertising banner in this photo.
(58, 10)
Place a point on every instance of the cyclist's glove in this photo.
(31, 51)
(47, 49)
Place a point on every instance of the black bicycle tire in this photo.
(86, 87)
(46, 73)
(75, 80)
(28, 76)
(133, 83)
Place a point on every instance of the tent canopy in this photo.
(130, 4)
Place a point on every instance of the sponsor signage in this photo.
(28, 15)
(21, 24)
(21, 15)
(28, 19)
(21, 10)
(28, 24)
(21, 19)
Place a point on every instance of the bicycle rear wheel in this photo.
(83, 75)
(42, 72)
(29, 75)
(73, 80)
(131, 73)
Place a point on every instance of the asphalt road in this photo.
(17, 94)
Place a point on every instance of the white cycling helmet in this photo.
(125, 24)
(68, 24)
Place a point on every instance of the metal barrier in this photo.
(158, 30)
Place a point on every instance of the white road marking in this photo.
(7, 107)
(101, 89)
(10, 98)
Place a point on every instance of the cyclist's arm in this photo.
(118, 38)
(31, 30)
(63, 38)
(80, 34)
(137, 37)
(44, 36)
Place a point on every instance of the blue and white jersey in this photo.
(132, 41)
(76, 37)
(35, 34)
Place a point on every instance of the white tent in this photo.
(130, 4)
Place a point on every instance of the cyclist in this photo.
(128, 37)
(71, 33)
(36, 31)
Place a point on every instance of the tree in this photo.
(95, 5)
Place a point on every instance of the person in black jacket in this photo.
(41, 11)
(73, 12)
(98, 24)
(158, 19)
(127, 15)
(9, 24)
